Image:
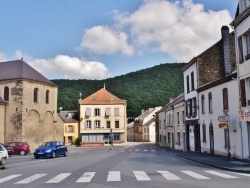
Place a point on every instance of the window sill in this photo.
(204, 141)
(210, 112)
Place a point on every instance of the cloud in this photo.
(105, 40)
(66, 67)
(2, 56)
(179, 29)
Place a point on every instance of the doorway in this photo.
(211, 138)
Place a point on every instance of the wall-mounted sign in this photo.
(223, 125)
(245, 115)
(225, 118)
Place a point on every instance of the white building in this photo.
(241, 25)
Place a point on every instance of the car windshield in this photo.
(47, 144)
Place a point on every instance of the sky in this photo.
(97, 39)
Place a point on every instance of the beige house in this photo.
(103, 118)
(71, 126)
(28, 109)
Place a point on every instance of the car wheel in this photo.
(3, 161)
(65, 153)
(54, 155)
(22, 152)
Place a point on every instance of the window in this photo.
(70, 139)
(178, 118)
(194, 109)
(178, 141)
(202, 104)
(204, 139)
(183, 118)
(6, 94)
(108, 124)
(225, 99)
(188, 107)
(117, 137)
(88, 112)
(97, 124)
(169, 138)
(107, 112)
(97, 112)
(192, 81)
(116, 111)
(240, 49)
(210, 104)
(187, 80)
(242, 93)
(248, 46)
(35, 99)
(47, 97)
(116, 124)
(70, 129)
(88, 124)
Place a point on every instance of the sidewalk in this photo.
(217, 161)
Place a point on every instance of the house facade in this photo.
(241, 26)
(103, 119)
(71, 126)
(29, 110)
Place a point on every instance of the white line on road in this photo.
(195, 175)
(59, 178)
(152, 150)
(9, 177)
(141, 176)
(145, 150)
(86, 177)
(137, 150)
(30, 179)
(220, 174)
(114, 176)
(168, 175)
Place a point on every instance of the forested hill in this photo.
(142, 89)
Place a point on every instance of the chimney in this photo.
(226, 50)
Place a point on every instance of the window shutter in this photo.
(186, 108)
(243, 93)
(240, 48)
(65, 128)
(73, 128)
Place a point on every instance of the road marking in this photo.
(30, 179)
(114, 176)
(152, 150)
(243, 174)
(137, 150)
(130, 150)
(9, 177)
(168, 175)
(220, 174)
(141, 176)
(86, 177)
(59, 178)
(195, 175)
(145, 150)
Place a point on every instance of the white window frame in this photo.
(97, 111)
(97, 124)
(88, 124)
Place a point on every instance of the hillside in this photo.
(142, 89)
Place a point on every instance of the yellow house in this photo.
(71, 126)
(103, 119)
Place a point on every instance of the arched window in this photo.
(6, 94)
(202, 104)
(225, 99)
(47, 97)
(35, 95)
(210, 102)
(204, 139)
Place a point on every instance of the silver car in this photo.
(3, 155)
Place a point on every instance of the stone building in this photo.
(28, 109)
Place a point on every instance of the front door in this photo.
(211, 138)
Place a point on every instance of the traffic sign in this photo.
(225, 118)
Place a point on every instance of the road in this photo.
(142, 165)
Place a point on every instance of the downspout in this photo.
(5, 120)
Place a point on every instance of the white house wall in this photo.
(208, 118)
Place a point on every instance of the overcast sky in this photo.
(97, 39)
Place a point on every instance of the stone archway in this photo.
(48, 127)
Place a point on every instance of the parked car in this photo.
(21, 148)
(3, 155)
(51, 149)
(9, 149)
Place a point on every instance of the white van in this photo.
(3, 155)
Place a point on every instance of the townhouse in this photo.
(241, 26)
(103, 119)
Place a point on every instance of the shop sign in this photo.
(245, 115)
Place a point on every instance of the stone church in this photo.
(28, 105)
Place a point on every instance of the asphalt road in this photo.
(142, 165)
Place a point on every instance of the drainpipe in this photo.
(5, 114)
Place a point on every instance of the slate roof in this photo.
(102, 96)
(69, 116)
(175, 101)
(19, 69)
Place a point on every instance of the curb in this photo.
(216, 166)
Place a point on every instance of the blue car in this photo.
(51, 149)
